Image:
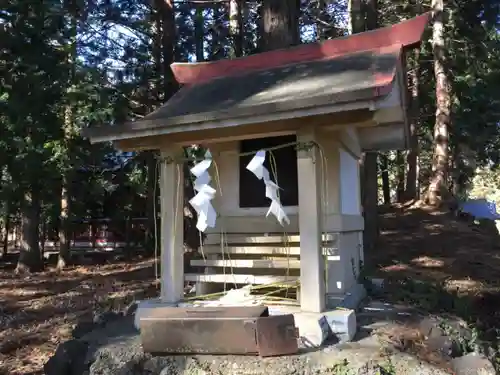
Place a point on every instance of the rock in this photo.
(443, 345)
(167, 371)
(472, 364)
(170, 368)
(82, 328)
(99, 320)
(8, 345)
(106, 317)
(429, 327)
(459, 329)
(490, 352)
(69, 359)
(119, 357)
(371, 368)
(154, 365)
(115, 349)
(131, 309)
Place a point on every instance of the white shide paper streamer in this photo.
(256, 166)
(205, 193)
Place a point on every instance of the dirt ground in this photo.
(435, 246)
(38, 312)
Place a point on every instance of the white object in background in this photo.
(256, 166)
(201, 202)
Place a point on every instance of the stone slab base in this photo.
(116, 349)
(143, 308)
(314, 328)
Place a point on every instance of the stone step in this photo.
(247, 263)
(240, 279)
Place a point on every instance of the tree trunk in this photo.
(236, 27)
(455, 164)
(400, 177)
(199, 33)
(168, 48)
(94, 232)
(29, 257)
(65, 228)
(356, 16)
(369, 160)
(152, 235)
(156, 49)
(68, 134)
(464, 162)
(371, 14)
(65, 217)
(411, 191)
(370, 199)
(280, 24)
(438, 182)
(163, 53)
(321, 22)
(16, 236)
(128, 232)
(386, 187)
(217, 33)
(43, 236)
(5, 249)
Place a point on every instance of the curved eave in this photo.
(359, 81)
(392, 131)
(201, 126)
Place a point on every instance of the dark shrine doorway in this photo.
(251, 189)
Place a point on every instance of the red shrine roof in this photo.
(360, 67)
(406, 34)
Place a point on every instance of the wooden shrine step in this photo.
(260, 239)
(252, 258)
(248, 263)
(255, 249)
(240, 279)
(263, 251)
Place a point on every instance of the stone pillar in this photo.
(312, 264)
(172, 227)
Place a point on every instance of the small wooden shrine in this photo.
(297, 118)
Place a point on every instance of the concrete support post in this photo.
(172, 227)
(312, 264)
(343, 268)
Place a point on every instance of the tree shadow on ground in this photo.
(471, 320)
(438, 247)
(444, 265)
(37, 311)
